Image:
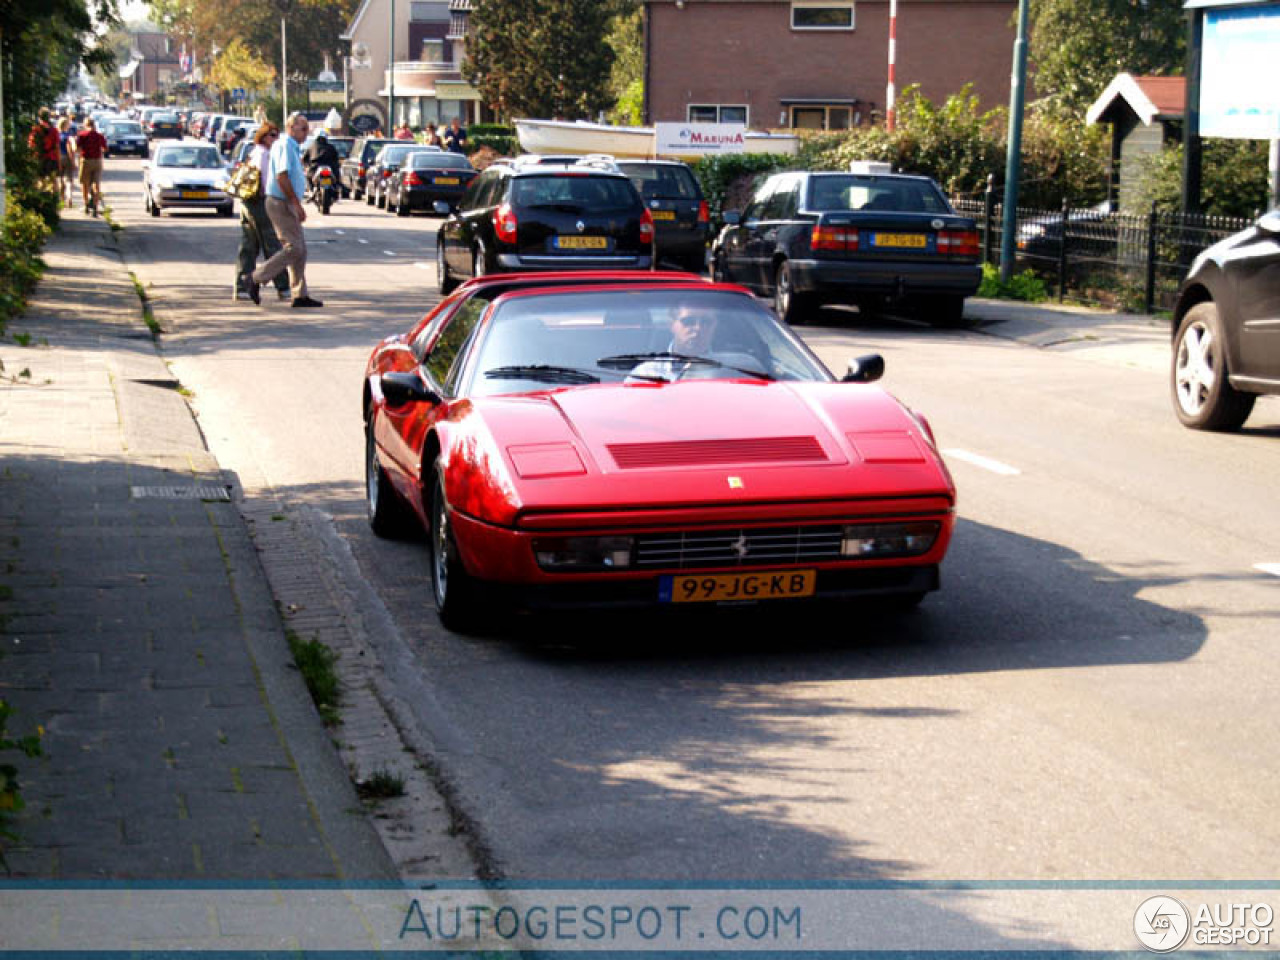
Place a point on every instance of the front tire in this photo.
(457, 594)
(1203, 398)
(444, 281)
(388, 515)
(790, 306)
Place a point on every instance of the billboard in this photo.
(1240, 73)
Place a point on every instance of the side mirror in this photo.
(1270, 222)
(732, 217)
(865, 369)
(402, 388)
(442, 208)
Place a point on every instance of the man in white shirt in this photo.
(286, 185)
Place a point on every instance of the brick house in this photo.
(817, 64)
(153, 62)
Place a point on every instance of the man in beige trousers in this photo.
(285, 186)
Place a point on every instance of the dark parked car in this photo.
(427, 177)
(544, 217)
(125, 136)
(357, 163)
(1090, 233)
(875, 239)
(1226, 329)
(384, 165)
(230, 126)
(164, 126)
(681, 218)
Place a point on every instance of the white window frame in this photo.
(823, 4)
(719, 109)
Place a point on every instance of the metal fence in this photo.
(1131, 261)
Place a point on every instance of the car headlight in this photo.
(583, 553)
(164, 183)
(221, 184)
(888, 539)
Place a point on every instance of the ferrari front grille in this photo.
(745, 547)
(689, 453)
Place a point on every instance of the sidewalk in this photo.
(135, 621)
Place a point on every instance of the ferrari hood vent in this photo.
(701, 453)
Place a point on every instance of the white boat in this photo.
(579, 137)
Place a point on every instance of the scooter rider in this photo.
(322, 153)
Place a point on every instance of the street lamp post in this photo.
(1013, 164)
(391, 71)
(284, 74)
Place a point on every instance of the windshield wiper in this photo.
(543, 372)
(627, 360)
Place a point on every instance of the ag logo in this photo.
(1161, 924)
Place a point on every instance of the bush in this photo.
(1021, 286)
(11, 801)
(506, 145)
(24, 233)
(728, 180)
(1233, 179)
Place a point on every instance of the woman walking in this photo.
(257, 235)
(66, 162)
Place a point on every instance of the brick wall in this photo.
(746, 52)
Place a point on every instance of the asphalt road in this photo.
(1091, 695)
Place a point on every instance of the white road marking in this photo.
(389, 253)
(1271, 568)
(358, 240)
(341, 233)
(986, 463)
(423, 265)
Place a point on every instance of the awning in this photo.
(819, 101)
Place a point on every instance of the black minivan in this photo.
(524, 217)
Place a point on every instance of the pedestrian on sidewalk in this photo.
(43, 141)
(257, 235)
(286, 186)
(91, 146)
(66, 162)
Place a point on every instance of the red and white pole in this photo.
(891, 91)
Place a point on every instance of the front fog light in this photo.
(583, 553)
(888, 539)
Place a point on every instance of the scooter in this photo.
(324, 188)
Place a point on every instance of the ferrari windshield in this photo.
(640, 336)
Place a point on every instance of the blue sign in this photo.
(1240, 74)
(237, 93)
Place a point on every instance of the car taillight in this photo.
(411, 179)
(646, 226)
(385, 174)
(958, 243)
(363, 170)
(834, 238)
(704, 212)
(504, 223)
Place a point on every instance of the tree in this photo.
(1078, 46)
(626, 80)
(237, 67)
(541, 58)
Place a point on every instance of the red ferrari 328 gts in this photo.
(598, 439)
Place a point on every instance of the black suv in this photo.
(870, 237)
(1226, 329)
(681, 218)
(357, 163)
(519, 217)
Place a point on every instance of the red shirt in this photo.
(91, 144)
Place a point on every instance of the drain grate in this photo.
(181, 493)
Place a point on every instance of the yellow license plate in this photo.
(913, 240)
(449, 181)
(663, 214)
(582, 243)
(728, 587)
(195, 194)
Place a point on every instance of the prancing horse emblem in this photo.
(740, 546)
